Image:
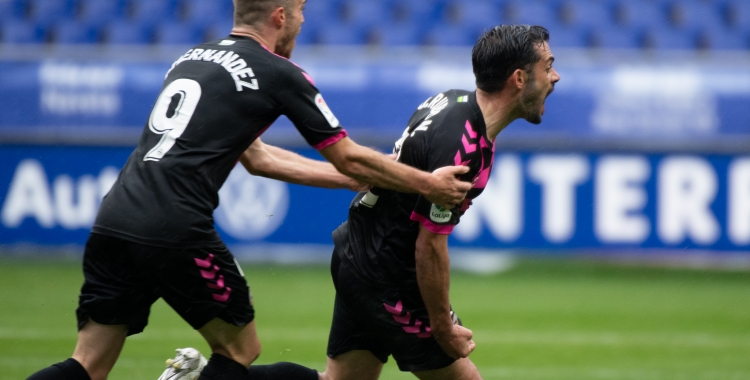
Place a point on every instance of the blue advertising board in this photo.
(372, 96)
(534, 200)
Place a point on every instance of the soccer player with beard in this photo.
(154, 235)
(390, 265)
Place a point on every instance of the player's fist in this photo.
(354, 185)
(447, 190)
(457, 342)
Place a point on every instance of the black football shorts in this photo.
(123, 279)
(382, 321)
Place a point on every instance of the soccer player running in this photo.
(154, 234)
(390, 264)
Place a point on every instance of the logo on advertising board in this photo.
(323, 107)
(251, 207)
(439, 214)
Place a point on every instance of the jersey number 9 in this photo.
(171, 114)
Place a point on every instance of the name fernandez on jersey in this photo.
(231, 61)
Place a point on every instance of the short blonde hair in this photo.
(250, 12)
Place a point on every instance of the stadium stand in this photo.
(123, 32)
(73, 32)
(621, 24)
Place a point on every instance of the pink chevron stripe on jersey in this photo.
(224, 297)
(457, 160)
(415, 328)
(470, 130)
(204, 263)
(430, 226)
(219, 283)
(210, 274)
(405, 319)
(331, 140)
(394, 309)
(468, 147)
(480, 182)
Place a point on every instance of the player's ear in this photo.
(278, 17)
(518, 79)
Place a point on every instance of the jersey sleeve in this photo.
(303, 104)
(451, 145)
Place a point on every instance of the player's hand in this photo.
(354, 185)
(457, 342)
(449, 190)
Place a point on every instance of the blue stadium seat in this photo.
(568, 37)
(423, 13)
(320, 12)
(100, 12)
(670, 39)
(152, 12)
(534, 12)
(696, 14)
(126, 33)
(11, 10)
(587, 13)
(615, 37)
(20, 32)
(738, 12)
(178, 33)
(401, 34)
(220, 29)
(724, 39)
(641, 14)
(450, 35)
(206, 12)
(46, 12)
(475, 14)
(340, 34)
(72, 32)
(367, 13)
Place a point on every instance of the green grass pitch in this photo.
(540, 320)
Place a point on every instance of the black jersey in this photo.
(216, 100)
(447, 129)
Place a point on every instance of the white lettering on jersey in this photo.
(436, 105)
(236, 66)
(323, 107)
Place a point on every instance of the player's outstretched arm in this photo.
(273, 162)
(369, 166)
(433, 278)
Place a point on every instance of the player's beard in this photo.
(286, 43)
(532, 102)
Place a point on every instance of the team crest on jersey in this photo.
(323, 107)
(439, 214)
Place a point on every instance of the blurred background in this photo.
(643, 159)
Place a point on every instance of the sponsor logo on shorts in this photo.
(439, 214)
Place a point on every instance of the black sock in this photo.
(67, 370)
(280, 371)
(220, 367)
